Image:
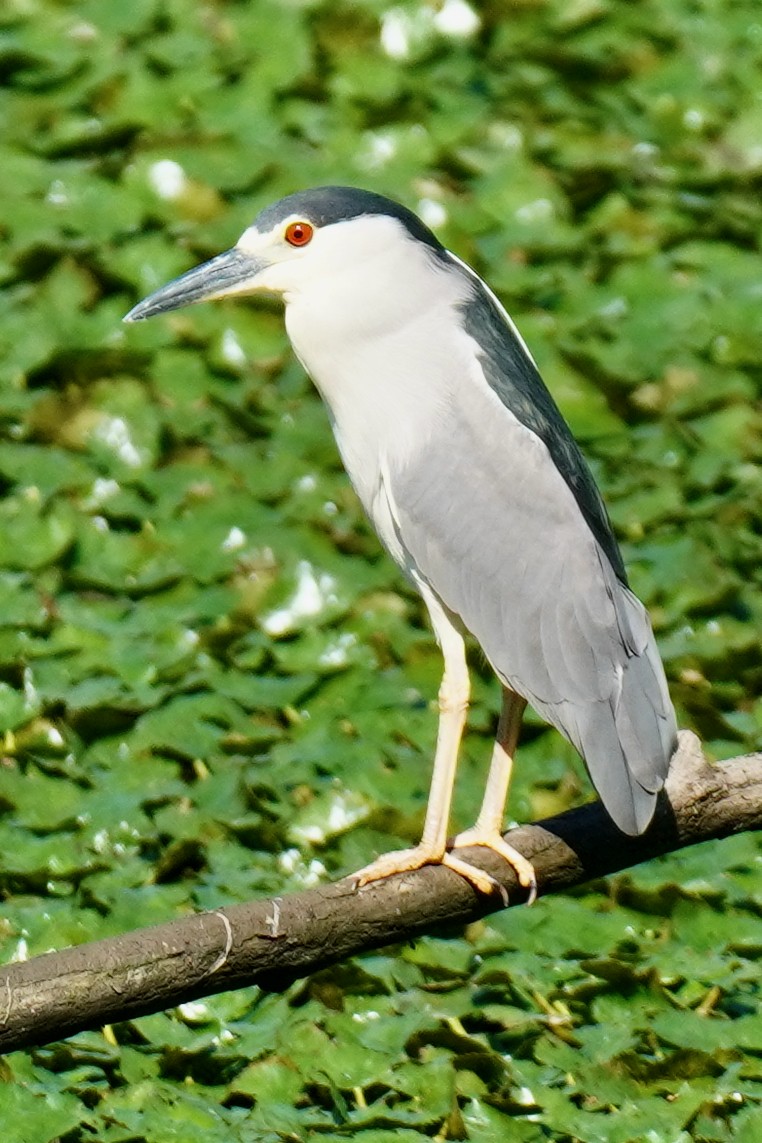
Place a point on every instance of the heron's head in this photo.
(301, 244)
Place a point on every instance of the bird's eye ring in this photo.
(299, 233)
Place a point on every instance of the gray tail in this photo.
(630, 739)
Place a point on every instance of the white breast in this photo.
(386, 361)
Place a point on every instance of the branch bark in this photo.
(272, 943)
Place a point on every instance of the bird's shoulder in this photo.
(512, 374)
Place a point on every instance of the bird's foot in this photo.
(407, 860)
(493, 839)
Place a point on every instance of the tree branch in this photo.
(271, 943)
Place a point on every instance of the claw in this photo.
(523, 868)
(482, 881)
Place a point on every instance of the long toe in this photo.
(406, 860)
(482, 881)
(521, 865)
(399, 861)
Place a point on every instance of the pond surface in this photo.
(213, 684)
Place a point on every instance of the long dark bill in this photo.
(228, 273)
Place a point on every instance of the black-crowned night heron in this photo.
(475, 486)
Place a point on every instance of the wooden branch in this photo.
(272, 943)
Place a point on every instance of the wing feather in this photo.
(510, 370)
(496, 531)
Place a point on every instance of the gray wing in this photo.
(512, 374)
(494, 528)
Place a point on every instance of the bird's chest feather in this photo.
(388, 377)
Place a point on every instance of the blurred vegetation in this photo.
(213, 684)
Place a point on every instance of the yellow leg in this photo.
(488, 828)
(453, 705)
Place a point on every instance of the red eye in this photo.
(299, 233)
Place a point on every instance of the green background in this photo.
(213, 685)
